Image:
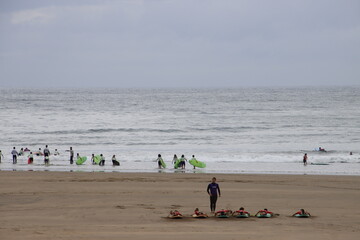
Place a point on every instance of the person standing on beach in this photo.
(1, 156)
(305, 159)
(14, 154)
(213, 189)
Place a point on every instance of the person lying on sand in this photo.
(264, 212)
(198, 213)
(241, 211)
(301, 212)
(175, 213)
(223, 212)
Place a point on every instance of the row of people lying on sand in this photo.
(241, 213)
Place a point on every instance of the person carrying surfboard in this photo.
(213, 189)
(30, 158)
(182, 161)
(159, 161)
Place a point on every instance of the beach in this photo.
(96, 205)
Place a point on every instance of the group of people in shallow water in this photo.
(46, 153)
(214, 192)
(181, 161)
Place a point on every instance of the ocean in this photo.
(240, 130)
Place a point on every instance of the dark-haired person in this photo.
(182, 161)
(305, 158)
(213, 190)
(14, 154)
(159, 161)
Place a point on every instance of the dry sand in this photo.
(59, 205)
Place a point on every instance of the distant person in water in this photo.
(305, 159)
(21, 152)
(350, 153)
(93, 159)
(182, 161)
(14, 154)
(322, 149)
(46, 153)
(213, 189)
(71, 155)
(114, 161)
(175, 158)
(47, 160)
(159, 161)
(30, 158)
(56, 152)
(193, 158)
(1, 156)
(102, 161)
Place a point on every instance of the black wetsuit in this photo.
(213, 189)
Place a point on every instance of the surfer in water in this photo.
(14, 154)
(1, 156)
(194, 159)
(114, 161)
(30, 158)
(182, 161)
(159, 160)
(174, 159)
(102, 162)
(213, 189)
(46, 153)
(71, 155)
(305, 159)
(56, 152)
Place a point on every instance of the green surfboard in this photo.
(81, 160)
(97, 159)
(197, 163)
(177, 163)
(162, 163)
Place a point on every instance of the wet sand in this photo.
(75, 205)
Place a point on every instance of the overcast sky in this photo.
(179, 43)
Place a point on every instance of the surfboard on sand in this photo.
(302, 215)
(81, 160)
(267, 215)
(197, 163)
(200, 216)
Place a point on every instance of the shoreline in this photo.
(79, 205)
